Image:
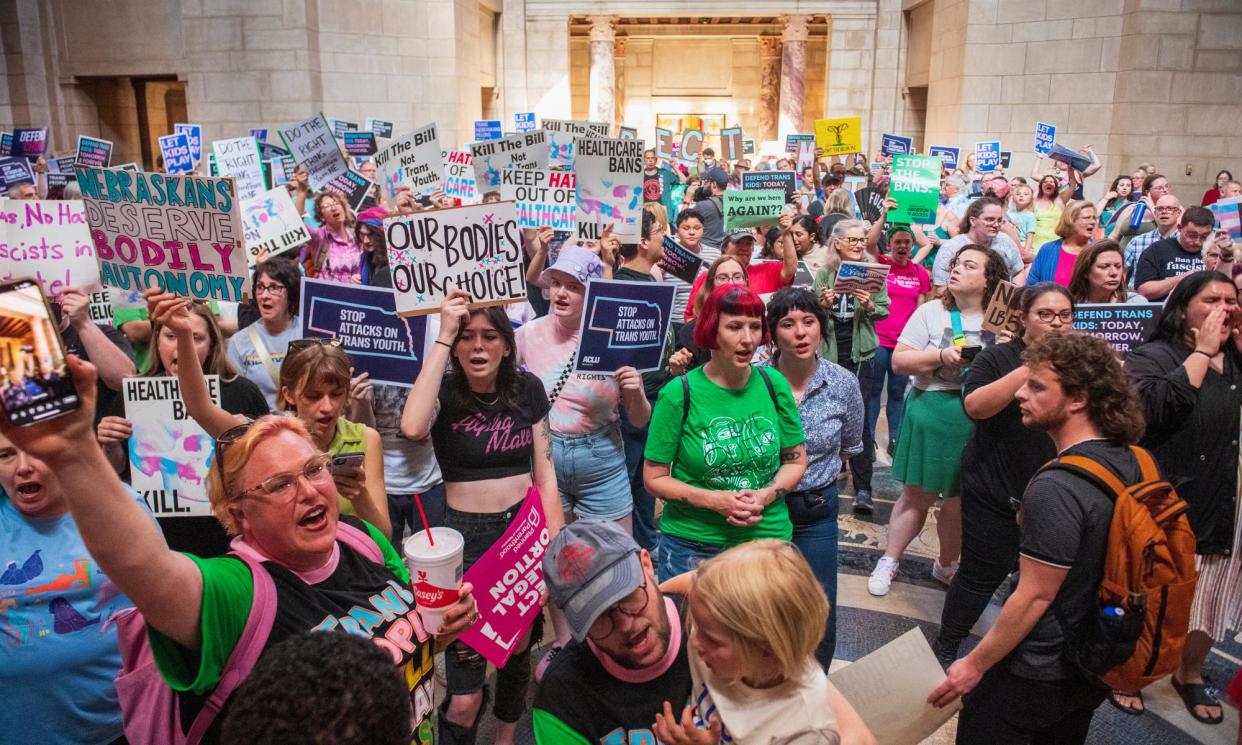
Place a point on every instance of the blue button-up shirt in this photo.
(832, 419)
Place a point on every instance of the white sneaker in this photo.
(882, 576)
(942, 573)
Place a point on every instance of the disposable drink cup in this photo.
(435, 573)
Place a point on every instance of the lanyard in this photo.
(959, 337)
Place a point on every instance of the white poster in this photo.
(413, 160)
(169, 454)
(609, 188)
(240, 159)
(543, 198)
(270, 221)
(523, 150)
(561, 134)
(50, 241)
(315, 149)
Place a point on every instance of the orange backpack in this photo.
(1149, 573)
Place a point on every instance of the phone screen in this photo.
(34, 381)
(969, 353)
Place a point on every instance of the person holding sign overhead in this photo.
(333, 252)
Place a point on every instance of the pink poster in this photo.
(508, 584)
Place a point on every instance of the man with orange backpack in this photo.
(1107, 557)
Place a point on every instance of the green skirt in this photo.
(934, 431)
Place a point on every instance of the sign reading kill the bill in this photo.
(181, 234)
(561, 134)
(522, 150)
(270, 222)
(609, 188)
(476, 248)
(413, 160)
(169, 453)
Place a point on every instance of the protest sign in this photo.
(1228, 213)
(543, 197)
(1072, 158)
(194, 134)
(57, 181)
(805, 155)
(353, 186)
(680, 262)
(624, 324)
(522, 150)
(380, 128)
(1005, 156)
(841, 136)
(271, 152)
(181, 234)
(609, 187)
(50, 241)
(239, 158)
(947, 154)
(988, 155)
(458, 175)
(792, 140)
(1045, 135)
(891, 144)
(487, 129)
(271, 222)
(561, 134)
(746, 208)
(627, 133)
(768, 180)
(29, 142)
(100, 309)
(413, 160)
(915, 186)
(365, 321)
(176, 152)
(476, 248)
(524, 121)
(1003, 313)
(92, 152)
(508, 582)
(341, 126)
(63, 163)
(360, 144)
(312, 145)
(169, 453)
(6, 143)
(664, 143)
(854, 275)
(691, 145)
(259, 134)
(14, 171)
(1123, 325)
(748, 147)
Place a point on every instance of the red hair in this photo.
(734, 300)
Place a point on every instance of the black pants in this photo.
(989, 549)
(1006, 709)
(860, 465)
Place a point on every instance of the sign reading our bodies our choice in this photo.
(476, 248)
(181, 234)
(169, 453)
(624, 324)
(50, 241)
(364, 319)
(609, 187)
(543, 197)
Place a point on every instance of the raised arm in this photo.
(423, 401)
(111, 362)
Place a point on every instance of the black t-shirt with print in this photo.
(1164, 259)
(475, 440)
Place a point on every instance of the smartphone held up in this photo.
(34, 381)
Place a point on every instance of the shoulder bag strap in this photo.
(1093, 470)
(261, 349)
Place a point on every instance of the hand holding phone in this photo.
(34, 380)
(345, 465)
(970, 352)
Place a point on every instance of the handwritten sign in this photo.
(528, 150)
(313, 146)
(543, 197)
(176, 152)
(561, 134)
(746, 208)
(679, 261)
(360, 144)
(93, 152)
(240, 159)
(365, 321)
(169, 453)
(916, 188)
(270, 222)
(1045, 135)
(624, 324)
(50, 241)
(627, 133)
(609, 187)
(664, 143)
(194, 135)
(1003, 314)
(1123, 325)
(947, 154)
(988, 155)
(29, 142)
(458, 175)
(414, 160)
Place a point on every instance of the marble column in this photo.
(769, 86)
(619, 96)
(793, 72)
(603, 69)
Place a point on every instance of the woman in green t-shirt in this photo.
(724, 443)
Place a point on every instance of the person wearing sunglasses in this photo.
(259, 348)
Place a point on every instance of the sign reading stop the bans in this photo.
(916, 188)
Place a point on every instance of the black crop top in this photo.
(474, 441)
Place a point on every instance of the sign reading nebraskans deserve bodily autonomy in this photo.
(365, 321)
(169, 453)
(181, 234)
(610, 187)
(624, 324)
(476, 248)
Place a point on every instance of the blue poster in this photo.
(487, 129)
(29, 142)
(365, 321)
(791, 141)
(259, 134)
(194, 133)
(624, 324)
(15, 171)
(947, 154)
(896, 145)
(176, 152)
(988, 155)
(1045, 135)
(524, 121)
(6, 143)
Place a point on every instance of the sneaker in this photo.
(542, 667)
(882, 576)
(942, 573)
(863, 503)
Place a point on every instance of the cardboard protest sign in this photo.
(1228, 216)
(380, 128)
(271, 222)
(731, 143)
(476, 248)
(746, 208)
(522, 150)
(543, 197)
(627, 133)
(14, 171)
(353, 186)
(915, 185)
(6, 143)
(50, 241)
(853, 275)
(805, 155)
(176, 152)
(691, 145)
(792, 140)
(169, 453)
(509, 583)
(769, 180)
(1003, 313)
(891, 144)
(1123, 325)
(524, 121)
(487, 129)
(561, 134)
(1045, 135)
(664, 143)
(1072, 158)
(609, 187)
(360, 144)
(181, 234)
(947, 154)
(29, 142)
(458, 175)
(312, 145)
(624, 324)
(341, 126)
(841, 136)
(413, 160)
(988, 155)
(92, 152)
(365, 321)
(680, 262)
(240, 159)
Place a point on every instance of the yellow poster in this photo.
(839, 136)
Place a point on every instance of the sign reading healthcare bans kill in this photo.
(916, 188)
(624, 324)
(181, 234)
(544, 198)
(1124, 325)
(476, 248)
(746, 209)
(414, 161)
(365, 321)
(610, 187)
(50, 241)
(169, 453)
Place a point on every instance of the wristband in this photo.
(1205, 354)
(446, 344)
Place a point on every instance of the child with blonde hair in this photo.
(757, 613)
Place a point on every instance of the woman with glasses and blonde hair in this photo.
(1055, 260)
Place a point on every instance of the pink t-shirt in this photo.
(588, 401)
(342, 261)
(905, 284)
(763, 277)
(1065, 267)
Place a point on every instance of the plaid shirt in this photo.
(1136, 247)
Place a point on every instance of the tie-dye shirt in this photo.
(588, 401)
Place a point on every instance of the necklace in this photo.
(484, 401)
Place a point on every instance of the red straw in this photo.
(419, 503)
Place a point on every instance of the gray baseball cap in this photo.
(589, 566)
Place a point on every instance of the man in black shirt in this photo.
(1165, 262)
(1018, 685)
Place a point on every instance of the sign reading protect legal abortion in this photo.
(476, 248)
(181, 234)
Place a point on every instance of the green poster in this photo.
(915, 186)
(748, 208)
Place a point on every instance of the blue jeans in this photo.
(403, 513)
(644, 526)
(882, 367)
(814, 516)
(676, 556)
(591, 475)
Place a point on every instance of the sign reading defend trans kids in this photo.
(624, 324)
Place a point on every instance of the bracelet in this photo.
(446, 345)
(1205, 354)
(940, 356)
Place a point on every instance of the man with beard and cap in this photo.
(628, 654)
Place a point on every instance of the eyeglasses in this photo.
(297, 345)
(1193, 237)
(854, 241)
(1167, 208)
(628, 606)
(725, 279)
(270, 289)
(991, 220)
(282, 487)
(1045, 315)
(227, 438)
